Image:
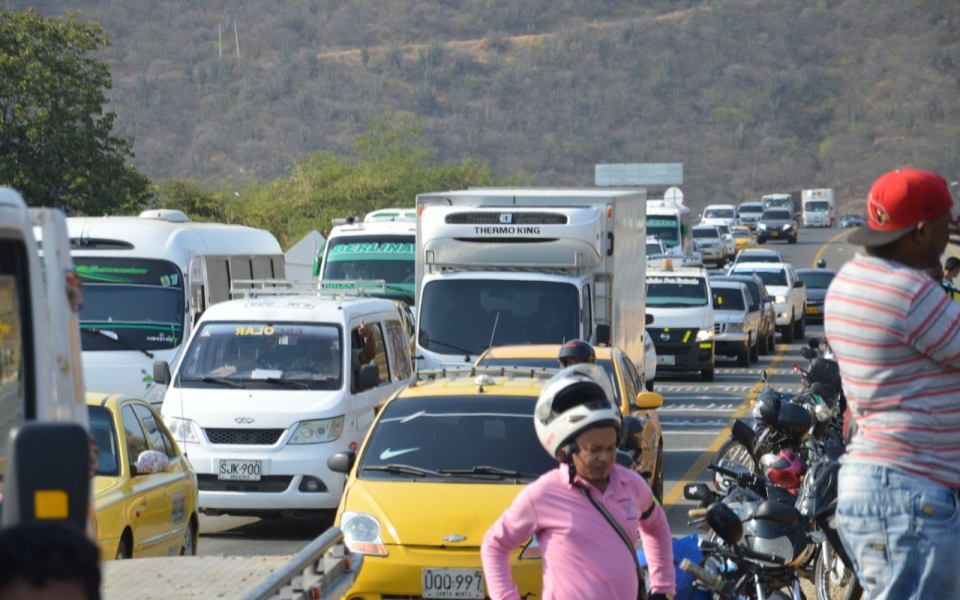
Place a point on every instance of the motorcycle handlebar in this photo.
(743, 479)
(697, 513)
(764, 556)
(714, 583)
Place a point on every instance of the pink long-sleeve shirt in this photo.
(583, 556)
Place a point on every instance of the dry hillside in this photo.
(753, 96)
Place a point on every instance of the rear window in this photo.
(481, 439)
(768, 276)
(818, 280)
(705, 233)
(727, 299)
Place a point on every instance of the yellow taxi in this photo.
(145, 491)
(631, 397)
(743, 237)
(443, 460)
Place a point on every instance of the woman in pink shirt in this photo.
(584, 556)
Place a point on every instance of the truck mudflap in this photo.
(322, 570)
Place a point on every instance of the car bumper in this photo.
(686, 357)
(814, 312)
(784, 312)
(282, 475)
(775, 234)
(400, 573)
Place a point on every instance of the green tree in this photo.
(56, 140)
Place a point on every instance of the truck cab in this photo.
(502, 266)
(683, 327)
(818, 207)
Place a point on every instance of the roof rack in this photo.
(334, 288)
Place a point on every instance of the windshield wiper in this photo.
(486, 470)
(287, 382)
(112, 336)
(220, 380)
(398, 468)
(403, 291)
(449, 345)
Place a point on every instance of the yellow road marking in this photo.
(823, 248)
(676, 492)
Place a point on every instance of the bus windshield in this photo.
(130, 302)
(666, 228)
(365, 257)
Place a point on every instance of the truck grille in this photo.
(246, 437)
(268, 484)
(494, 218)
(718, 328)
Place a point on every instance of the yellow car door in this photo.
(173, 485)
(149, 502)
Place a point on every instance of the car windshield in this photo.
(817, 206)
(719, 213)
(727, 299)
(473, 439)
(724, 228)
(676, 291)
(462, 315)
(755, 208)
(777, 215)
(706, 233)
(769, 276)
(263, 356)
(741, 233)
(391, 258)
(105, 437)
(758, 257)
(548, 363)
(665, 228)
(818, 280)
(654, 249)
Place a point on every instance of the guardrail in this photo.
(324, 570)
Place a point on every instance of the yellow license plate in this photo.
(813, 310)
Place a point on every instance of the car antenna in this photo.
(493, 333)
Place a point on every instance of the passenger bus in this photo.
(146, 280)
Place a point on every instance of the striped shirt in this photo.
(896, 335)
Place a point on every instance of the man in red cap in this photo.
(896, 336)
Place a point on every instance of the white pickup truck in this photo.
(790, 295)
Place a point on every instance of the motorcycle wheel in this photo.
(735, 453)
(833, 580)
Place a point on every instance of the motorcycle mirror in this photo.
(744, 433)
(813, 343)
(808, 353)
(696, 491)
(725, 523)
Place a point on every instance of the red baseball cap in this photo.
(899, 200)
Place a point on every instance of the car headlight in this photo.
(779, 299)
(762, 225)
(317, 431)
(734, 327)
(786, 227)
(705, 335)
(361, 533)
(183, 430)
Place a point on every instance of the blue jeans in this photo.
(902, 532)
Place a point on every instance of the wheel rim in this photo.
(188, 541)
(836, 581)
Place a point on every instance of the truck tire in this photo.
(792, 240)
(772, 342)
(706, 374)
(788, 332)
(755, 351)
(800, 327)
(761, 240)
(763, 345)
(743, 357)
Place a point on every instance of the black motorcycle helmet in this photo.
(579, 350)
(822, 263)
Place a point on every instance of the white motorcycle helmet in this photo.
(575, 399)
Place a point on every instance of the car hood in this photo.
(272, 408)
(679, 318)
(776, 222)
(729, 316)
(416, 513)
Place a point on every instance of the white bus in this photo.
(146, 279)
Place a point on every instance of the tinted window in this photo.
(727, 299)
(719, 213)
(387, 257)
(132, 430)
(157, 439)
(819, 279)
(705, 233)
(777, 215)
(105, 436)
(754, 208)
(769, 276)
(400, 361)
(456, 433)
(461, 316)
(676, 291)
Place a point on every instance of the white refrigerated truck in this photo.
(500, 266)
(817, 207)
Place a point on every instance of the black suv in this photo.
(777, 224)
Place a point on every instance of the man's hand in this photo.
(367, 334)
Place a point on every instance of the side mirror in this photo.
(633, 425)
(369, 377)
(725, 523)
(603, 334)
(150, 462)
(754, 307)
(798, 284)
(649, 319)
(624, 459)
(743, 433)
(697, 491)
(342, 462)
(161, 372)
(649, 400)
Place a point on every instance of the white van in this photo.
(270, 387)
